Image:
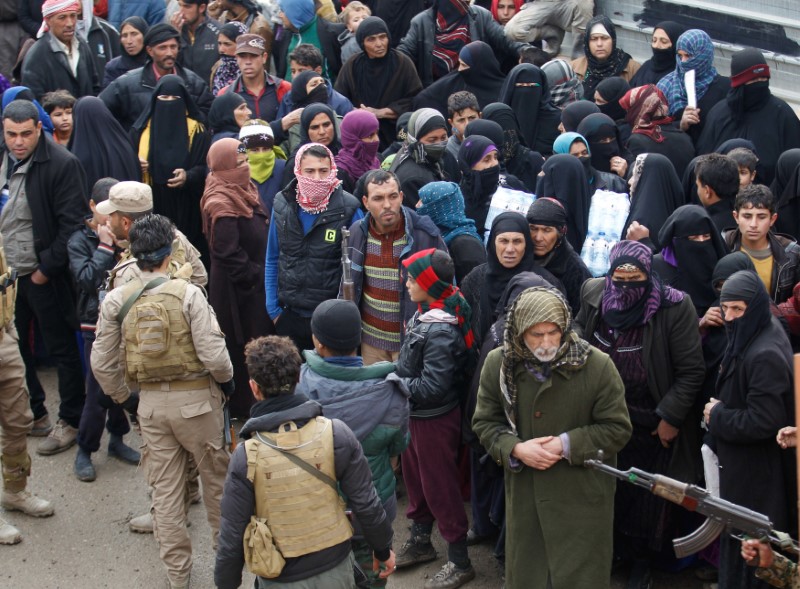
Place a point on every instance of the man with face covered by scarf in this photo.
(650, 332)
(750, 111)
(754, 399)
(547, 401)
(304, 245)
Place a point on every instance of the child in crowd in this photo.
(353, 14)
(433, 364)
(747, 162)
(59, 105)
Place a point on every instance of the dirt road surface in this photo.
(87, 545)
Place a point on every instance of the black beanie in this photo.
(337, 325)
(159, 33)
(547, 211)
(748, 64)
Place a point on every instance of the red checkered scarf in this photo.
(452, 33)
(53, 7)
(314, 195)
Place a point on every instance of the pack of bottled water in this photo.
(607, 216)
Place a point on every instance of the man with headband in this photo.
(175, 354)
(60, 59)
(548, 401)
(547, 219)
(128, 96)
(754, 399)
(304, 247)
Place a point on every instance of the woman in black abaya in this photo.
(573, 114)
(786, 190)
(565, 180)
(172, 145)
(519, 160)
(478, 72)
(665, 36)
(102, 146)
(606, 147)
(526, 91)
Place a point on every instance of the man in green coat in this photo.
(547, 402)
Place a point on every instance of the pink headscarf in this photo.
(53, 7)
(314, 195)
(357, 157)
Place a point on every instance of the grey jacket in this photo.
(418, 42)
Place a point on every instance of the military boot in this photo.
(16, 469)
(418, 548)
(8, 533)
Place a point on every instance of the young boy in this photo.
(433, 363)
(91, 252)
(717, 181)
(462, 109)
(747, 162)
(776, 257)
(59, 105)
(351, 16)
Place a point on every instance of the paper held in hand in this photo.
(691, 93)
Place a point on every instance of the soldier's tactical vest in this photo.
(304, 514)
(158, 339)
(8, 289)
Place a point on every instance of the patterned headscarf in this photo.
(565, 88)
(228, 68)
(537, 305)
(53, 7)
(448, 297)
(635, 303)
(443, 202)
(452, 33)
(698, 45)
(314, 195)
(647, 110)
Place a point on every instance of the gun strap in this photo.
(136, 294)
(303, 464)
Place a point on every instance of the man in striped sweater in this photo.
(388, 234)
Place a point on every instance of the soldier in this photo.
(16, 417)
(127, 202)
(175, 352)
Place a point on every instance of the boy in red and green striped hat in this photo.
(433, 363)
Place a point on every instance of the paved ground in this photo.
(87, 545)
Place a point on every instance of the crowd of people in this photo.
(375, 235)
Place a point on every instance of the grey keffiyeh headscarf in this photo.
(537, 305)
(565, 88)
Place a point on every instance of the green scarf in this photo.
(262, 164)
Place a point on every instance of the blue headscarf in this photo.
(299, 12)
(444, 204)
(11, 94)
(698, 45)
(564, 141)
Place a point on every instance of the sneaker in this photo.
(84, 469)
(27, 503)
(41, 427)
(8, 533)
(450, 577)
(412, 553)
(61, 438)
(118, 449)
(142, 524)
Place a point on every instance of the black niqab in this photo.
(612, 89)
(301, 97)
(746, 286)
(477, 186)
(658, 193)
(221, 117)
(696, 260)
(597, 127)
(663, 60)
(489, 129)
(520, 161)
(786, 190)
(729, 265)
(539, 126)
(565, 180)
(573, 114)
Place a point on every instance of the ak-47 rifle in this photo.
(230, 434)
(721, 515)
(348, 289)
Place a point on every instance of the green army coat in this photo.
(560, 520)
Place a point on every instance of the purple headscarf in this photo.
(630, 306)
(358, 157)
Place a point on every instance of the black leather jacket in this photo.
(89, 264)
(433, 362)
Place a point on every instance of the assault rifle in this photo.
(230, 434)
(348, 288)
(721, 515)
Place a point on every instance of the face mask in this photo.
(755, 94)
(369, 149)
(664, 59)
(586, 162)
(434, 151)
(318, 94)
(261, 165)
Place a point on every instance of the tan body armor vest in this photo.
(178, 266)
(304, 514)
(158, 339)
(8, 288)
